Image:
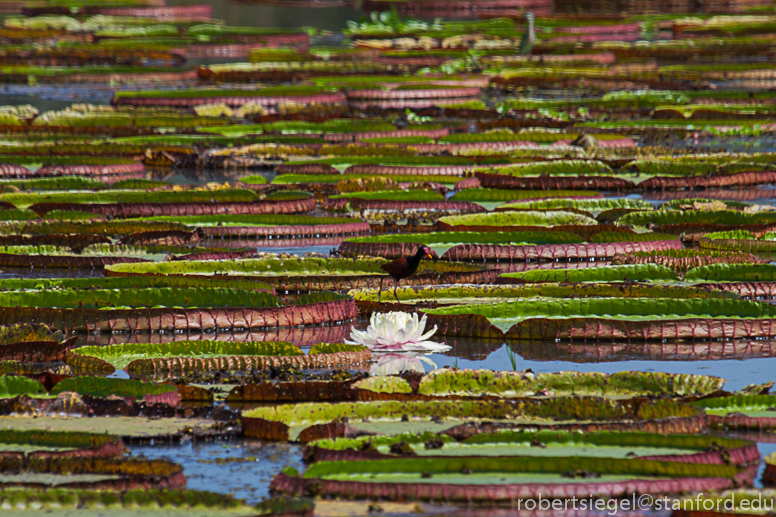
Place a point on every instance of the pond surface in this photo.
(244, 467)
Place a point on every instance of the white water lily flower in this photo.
(396, 331)
(395, 363)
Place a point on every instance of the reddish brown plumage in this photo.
(404, 267)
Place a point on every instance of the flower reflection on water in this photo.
(398, 342)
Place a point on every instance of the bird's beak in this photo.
(429, 255)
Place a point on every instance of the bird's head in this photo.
(425, 252)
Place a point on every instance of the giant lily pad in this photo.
(85, 227)
(98, 473)
(129, 282)
(13, 386)
(394, 195)
(421, 297)
(682, 261)
(53, 444)
(733, 273)
(647, 272)
(117, 298)
(23, 200)
(308, 422)
(476, 382)
(603, 245)
(103, 387)
(131, 428)
(608, 318)
(749, 281)
(489, 195)
(312, 274)
(184, 98)
(589, 205)
(529, 218)
(168, 309)
(740, 411)
(151, 209)
(498, 181)
(183, 357)
(739, 240)
(726, 217)
(505, 479)
(552, 168)
(239, 225)
(398, 245)
(679, 448)
(58, 502)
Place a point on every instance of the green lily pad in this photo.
(634, 273)
(395, 417)
(494, 195)
(120, 356)
(16, 385)
(506, 314)
(541, 444)
(177, 503)
(135, 298)
(549, 218)
(103, 387)
(23, 200)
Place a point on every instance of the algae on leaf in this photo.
(517, 218)
(104, 387)
(629, 273)
(601, 444)
(508, 384)
(298, 421)
(120, 356)
(136, 298)
(94, 503)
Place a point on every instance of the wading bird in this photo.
(529, 38)
(403, 267)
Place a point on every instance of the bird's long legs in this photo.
(394, 291)
(380, 292)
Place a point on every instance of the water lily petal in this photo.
(432, 346)
(397, 331)
(428, 334)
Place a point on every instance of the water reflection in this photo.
(473, 349)
(672, 351)
(303, 337)
(395, 363)
(739, 370)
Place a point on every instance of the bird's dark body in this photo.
(404, 267)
